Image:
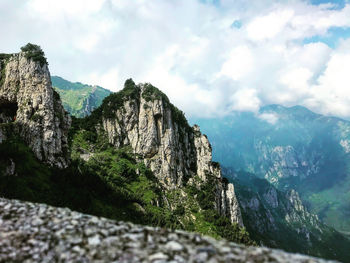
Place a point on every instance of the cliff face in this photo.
(142, 117)
(268, 209)
(31, 107)
(148, 127)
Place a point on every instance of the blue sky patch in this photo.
(339, 4)
(213, 2)
(236, 24)
(332, 37)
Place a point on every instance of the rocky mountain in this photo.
(31, 108)
(134, 158)
(293, 148)
(142, 117)
(49, 234)
(77, 98)
(279, 219)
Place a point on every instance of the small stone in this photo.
(209, 250)
(225, 249)
(133, 237)
(179, 259)
(89, 231)
(77, 249)
(93, 241)
(158, 256)
(37, 222)
(201, 257)
(76, 240)
(74, 222)
(104, 232)
(174, 246)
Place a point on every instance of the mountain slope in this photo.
(279, 219)
(77, 98)
(293, 148)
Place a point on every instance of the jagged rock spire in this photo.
(31, 107)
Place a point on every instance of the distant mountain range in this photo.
(77, 98)
(292, 148)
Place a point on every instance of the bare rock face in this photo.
(298, 212)
(160, 135)
(229, 205)
(30, 105)
(147, 126)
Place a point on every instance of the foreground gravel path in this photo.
(39, 233)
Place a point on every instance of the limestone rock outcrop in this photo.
(160, 135)
(32, 108)
(298, 212)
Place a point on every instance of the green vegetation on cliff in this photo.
(35, 53)
(115, 101)
(110, 184)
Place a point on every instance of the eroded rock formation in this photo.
(30, 108)
(160, 135)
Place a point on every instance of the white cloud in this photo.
(296, 80)
(238, 64)
(108, 80)
(52, 9)
(271, 118)
(245, 100)
(331, 93)
(270, 25)
(190, 50)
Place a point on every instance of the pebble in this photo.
(174, 246)
(158, 256)
(94, 241)
(39, 233)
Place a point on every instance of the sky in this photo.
(211, 57)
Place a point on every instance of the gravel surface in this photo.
(32, 232)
